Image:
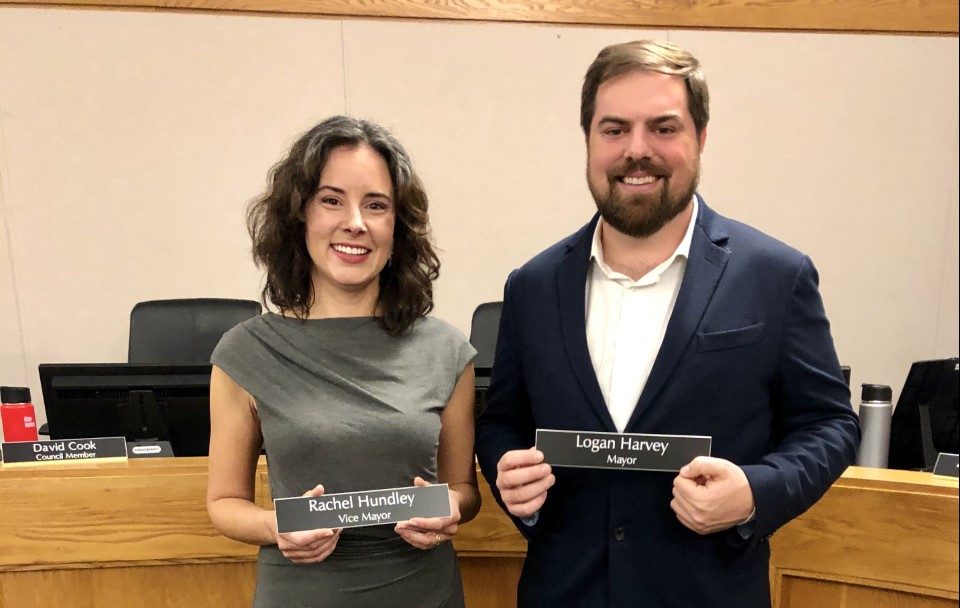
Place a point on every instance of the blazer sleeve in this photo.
(506, 422)
(816, 432)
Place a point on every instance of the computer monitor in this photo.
(925, 419)
(136, 401)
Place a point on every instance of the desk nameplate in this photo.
(357, 509)
(632, 451)
(63, 451)
(948, 465)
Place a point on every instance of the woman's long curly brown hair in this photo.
(275, 221)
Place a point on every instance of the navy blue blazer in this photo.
(747, 358)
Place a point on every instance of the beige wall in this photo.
(12, 363)
(132, 140)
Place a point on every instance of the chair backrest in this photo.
(183, 331)
(483, 334)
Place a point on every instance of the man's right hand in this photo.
(523, 480)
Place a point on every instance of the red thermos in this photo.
(17, 413)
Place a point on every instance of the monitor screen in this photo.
(136, 401)
(925, 419)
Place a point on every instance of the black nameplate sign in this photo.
(634, 451)
(947, 465)
(356, 509)
(63, 451)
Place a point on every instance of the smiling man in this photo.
(660, 316)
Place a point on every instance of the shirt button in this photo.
(620, 533)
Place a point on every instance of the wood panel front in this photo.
(876, 538)
(95, 535)
(171, 586)
(798, 592)
(117, 534)
(490, 582)
(149, 510)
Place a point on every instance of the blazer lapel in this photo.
(708, 258)
(571, 288)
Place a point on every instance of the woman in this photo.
(351, 387)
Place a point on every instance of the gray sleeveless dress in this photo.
(344, 404)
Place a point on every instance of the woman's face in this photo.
(349, 221)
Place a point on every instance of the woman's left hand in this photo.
(429, 532)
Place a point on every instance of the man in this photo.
(661, 316)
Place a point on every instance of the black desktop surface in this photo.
(137, 401)
(932, 385)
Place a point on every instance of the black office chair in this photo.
(483, 336)
(183, 331)
(483, 333)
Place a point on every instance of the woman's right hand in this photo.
(308, 546)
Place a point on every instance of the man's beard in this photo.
(641, 215)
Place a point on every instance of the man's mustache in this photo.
(644, 164)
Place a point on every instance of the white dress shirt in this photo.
(626, 322)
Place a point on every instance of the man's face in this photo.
(643, 152)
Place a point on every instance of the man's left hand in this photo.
(711, 494)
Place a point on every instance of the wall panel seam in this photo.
(6, 216)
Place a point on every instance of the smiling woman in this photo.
(308, 194)
(349, 226)
(351, 387)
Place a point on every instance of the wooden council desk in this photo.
(137, 533)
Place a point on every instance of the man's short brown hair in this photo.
(651, 56)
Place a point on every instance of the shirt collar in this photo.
(682, 250)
